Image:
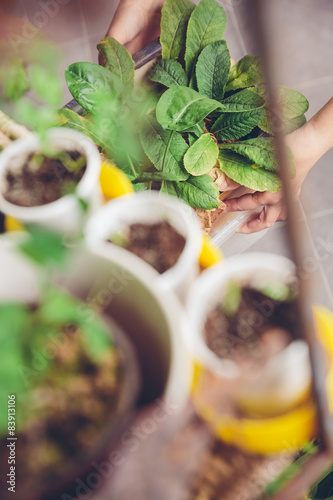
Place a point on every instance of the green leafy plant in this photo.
(200, 114)
(30, 88)
(221, 112)
(321, 490)
(114, 106)
(30, 93)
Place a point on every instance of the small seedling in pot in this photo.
(251, 325)
(30, 90)
(60, 360)
(159, 244)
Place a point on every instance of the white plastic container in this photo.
(63, 215)
(150, 208)
(125, 291)
(286, 378)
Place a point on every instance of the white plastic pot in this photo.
(285, 379)
(63, 215)
(153, 319)
(150, 208)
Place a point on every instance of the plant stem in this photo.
(152, 176)
(10, 128)
(200, 129)
(4, 140)
(134, 171)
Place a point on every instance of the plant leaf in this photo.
(180, 108)
(168, 188)
(243, 101)
(232, 298)
(168, 72)
(245, 73)
(197, 130)
(260, 151)
(45, 83)
(192, 138)
(243, 171)
(292, 105)
(70, 119)
(202, 156)
(13, 317)
(231, 126)
(154, 176)
(165, 149)
(212, 69)
(44, 246)
(294, 124)
(60, 308)
(199, 192)
(14, 79)
(97, 338)
(117, 60)
(14, 321)
(206, 25)
(90, 83)
(175, 16)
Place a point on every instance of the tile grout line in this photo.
(313, 83)
(322, 271)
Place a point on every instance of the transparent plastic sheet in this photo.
(221, 235)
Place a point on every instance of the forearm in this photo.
(321, 128)
(310, 142)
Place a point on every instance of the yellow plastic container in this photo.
(210, 254)
(114, 182)
(283, 433)
(12, 224)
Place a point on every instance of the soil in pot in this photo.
(251, 326)
(160, 245)
(37, 179)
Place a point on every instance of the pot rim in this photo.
(84, 187)
(205, 294)
(113, 213)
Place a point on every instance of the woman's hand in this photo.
(136, 23)
(308, 144)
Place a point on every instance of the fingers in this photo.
(245, 202)
(265, 219)
(227, 184)
(130, 18)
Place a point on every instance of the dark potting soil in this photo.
(261, 328)
(32, 183)
(160, 245)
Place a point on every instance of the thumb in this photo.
(130, 19)
(224, 183)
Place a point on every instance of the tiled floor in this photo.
(303, 29)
